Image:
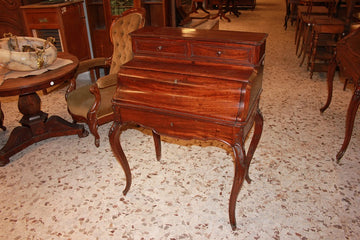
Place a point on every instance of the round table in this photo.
(35, 124)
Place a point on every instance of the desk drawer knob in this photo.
(43, 20)
(218, 53)
(171, 124)
(52, 83)
(159, 48)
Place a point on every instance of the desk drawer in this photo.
(175, 48)
(178, 125)
(40, 19)
(222, 53)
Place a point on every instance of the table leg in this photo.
(350, 118)
(221, 12)
(36, 126)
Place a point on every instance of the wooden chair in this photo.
(325, 11)
(91, 104)
(325, 35)
(291, 11)
(326, 31)
(306, 11)
(2, 119)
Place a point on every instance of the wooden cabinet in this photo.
(102, 12)
(193, 84)
(100, 16)
(160, 13)
(99, 26)
(63, 21)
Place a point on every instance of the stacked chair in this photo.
(318, 30)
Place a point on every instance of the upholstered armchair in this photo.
(91, 104)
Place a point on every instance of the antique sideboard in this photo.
(193, 84)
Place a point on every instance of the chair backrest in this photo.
(128, 22)
(330, 4)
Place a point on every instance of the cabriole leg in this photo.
(240, 169)
(114, 138)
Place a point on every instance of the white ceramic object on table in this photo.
(14, 55)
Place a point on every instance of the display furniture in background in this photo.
(63, 21)
(11, 20)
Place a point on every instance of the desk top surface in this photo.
(249, 38)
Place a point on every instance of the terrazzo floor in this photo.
(65, 188)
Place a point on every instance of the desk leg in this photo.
(114, 138)
(240, 171)
(242, 163)
(35, 127)
(259, 121)
(350, 118)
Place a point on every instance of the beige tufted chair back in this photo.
(92, 103)
(119, 34)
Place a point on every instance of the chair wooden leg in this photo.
(2, 119)
(93, 128)
(157, 142)
(297, 26)
(312, 56)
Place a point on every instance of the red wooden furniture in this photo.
(11, 19)
(35, 124)
(193, 84)
(325, 34)
(348, 58)
(63, 21)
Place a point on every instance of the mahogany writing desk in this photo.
(193, 84)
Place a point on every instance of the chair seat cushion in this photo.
(81, 100)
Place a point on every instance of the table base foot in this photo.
(36, 130)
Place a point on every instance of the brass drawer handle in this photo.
(43, 20)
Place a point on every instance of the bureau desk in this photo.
(193, 84)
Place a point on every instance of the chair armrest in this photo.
(107, 81)
(88, 64)
(101, 83)
(85, 66)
